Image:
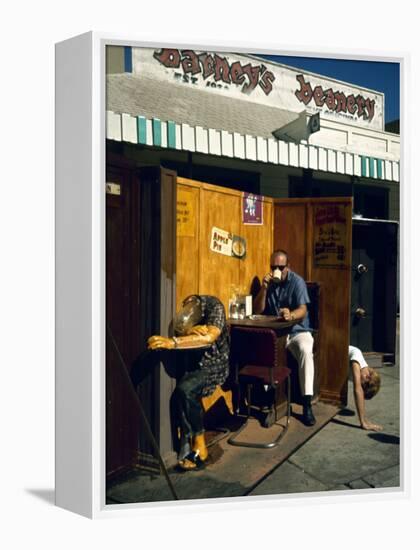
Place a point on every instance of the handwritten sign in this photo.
(224, 242)
(330, 236)
(221, 241)
(185, 213)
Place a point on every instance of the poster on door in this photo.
(330, 230)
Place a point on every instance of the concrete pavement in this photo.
(343, 456)
(334, 455)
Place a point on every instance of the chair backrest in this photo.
(253, 346)
(314, 291)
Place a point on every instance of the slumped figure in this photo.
(201, 321)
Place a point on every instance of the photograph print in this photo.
(252, 286)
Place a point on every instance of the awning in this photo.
(183, 137)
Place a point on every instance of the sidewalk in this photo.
(341, 455)
(335, 454)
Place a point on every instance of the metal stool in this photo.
(255, 355)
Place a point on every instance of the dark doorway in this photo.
(374, 286)
(368, 200)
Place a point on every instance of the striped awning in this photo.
(182, 137)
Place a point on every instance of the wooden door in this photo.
(317, 235)
(140, 259)
(122, 412)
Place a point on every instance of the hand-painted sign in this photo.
(335, 101)
(185, 214)
(221, 241)
(249, 78)
(252, 209)
(330, 236)
(224, 242)
(217, 68)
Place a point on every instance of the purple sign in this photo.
(252, 209)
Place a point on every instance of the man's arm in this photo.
(259, 302)
(295, 314)
(200, 334)
(359, 399)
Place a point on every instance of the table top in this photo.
(191, 347)
(262, 321)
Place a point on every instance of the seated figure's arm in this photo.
(259, 303)
(295, 314)
(200, 334)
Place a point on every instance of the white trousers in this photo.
(301, 347)
(356, 355)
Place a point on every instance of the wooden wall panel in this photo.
(259, 239)
(335, 311)
(188, 253)
(290, 233)
(218, 272)
(288, 223)
(294, 231)
(203, 271)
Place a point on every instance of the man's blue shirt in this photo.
(290, 293)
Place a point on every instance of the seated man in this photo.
(201, 321)
(366, 384)
(284, 293)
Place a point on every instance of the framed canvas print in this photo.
(227, 274)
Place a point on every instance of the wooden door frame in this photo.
(163, 182)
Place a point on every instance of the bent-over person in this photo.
(366, 384)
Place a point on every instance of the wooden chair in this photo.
(255, 355)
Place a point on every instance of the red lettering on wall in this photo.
(206, 61)
(221, 69)
(190, 62)
(335, 100)
(253, 75)
(340, 99)
(168, 57)
(329, 214)
(370, 106)
(248, 76)
(330, 99)
(305, 93)
(266, 82)
(351, 104)
(236, 73)
(319, 96)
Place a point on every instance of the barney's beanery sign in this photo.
(252, 78)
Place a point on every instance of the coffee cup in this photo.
(276, 276)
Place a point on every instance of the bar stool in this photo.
(255, 356)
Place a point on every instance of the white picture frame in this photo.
(80, 274)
